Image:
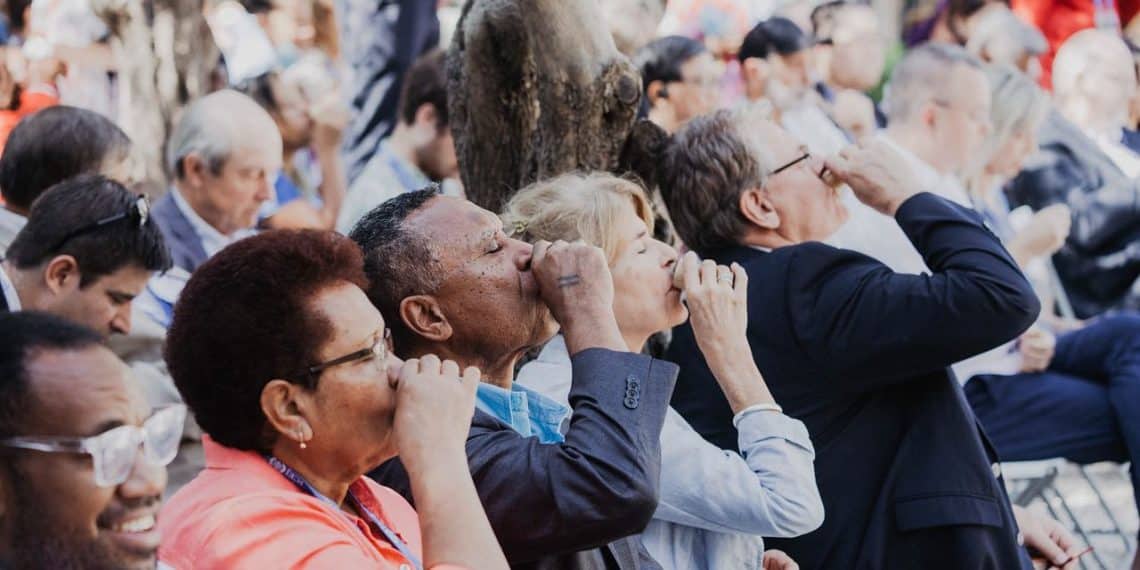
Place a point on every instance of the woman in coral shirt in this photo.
(288, 369)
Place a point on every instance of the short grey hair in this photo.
(207, 129)
(1001, 37)
(922, 74)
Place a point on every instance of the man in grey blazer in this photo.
(224, 155)
(448, 280)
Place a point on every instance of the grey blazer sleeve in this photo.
(598, 486)
(601, 484)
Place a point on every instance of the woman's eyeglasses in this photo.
(379, 350)
(114, 451)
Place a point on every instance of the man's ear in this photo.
(194, 170)
(656, 92)
(427, 116)
(61, 274)
(758, 209)
(424, 317)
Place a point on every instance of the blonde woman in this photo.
(715, 505)
(1076, 394)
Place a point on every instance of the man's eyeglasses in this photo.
(115, 450)
(379, 350)
(806, 155)
(137, 215)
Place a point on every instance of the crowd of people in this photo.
(856, 285)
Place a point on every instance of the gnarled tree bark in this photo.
(536, 89)
(165, 56)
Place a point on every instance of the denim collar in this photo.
(526, 411)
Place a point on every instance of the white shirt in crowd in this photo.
(879, 236)
(715, 505)
(1123, 157)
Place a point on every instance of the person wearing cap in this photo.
(776, 64)
(86, 252)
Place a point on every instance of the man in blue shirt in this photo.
(449, 281)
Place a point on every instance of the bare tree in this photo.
(536, 88)
(165, 56)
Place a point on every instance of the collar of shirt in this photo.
(526, 411)
(930, 180)
(409, 176)
(9, 290)
(212, 240)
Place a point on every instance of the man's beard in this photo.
(37, 543)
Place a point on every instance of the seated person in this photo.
(715, 505)
(776, 65)
(224, 154)
(49, 147)
(313, 399)
(419, 150)
(850, 54)
(1083, 163)
(681, 81)
(86, 252)
(485, 299)
(907, 478)
(939, 106)
(1093, 372)
(64, 397)
(309, 190)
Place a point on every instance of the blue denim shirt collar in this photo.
(526, 411)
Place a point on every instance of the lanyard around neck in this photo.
(307, 488)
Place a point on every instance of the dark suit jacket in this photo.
(553, 505)
(184, 243)
(859, 353)
(1100, 262)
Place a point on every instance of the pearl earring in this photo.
(301, 437)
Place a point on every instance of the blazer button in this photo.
(631, 402)
(996, 468)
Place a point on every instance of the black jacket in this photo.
(572, 505)
(860, 355)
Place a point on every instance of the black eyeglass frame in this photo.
(793, 162)
(138, 213)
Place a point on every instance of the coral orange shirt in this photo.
(240, 512)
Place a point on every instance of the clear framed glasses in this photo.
(379, 350)
(114, 451)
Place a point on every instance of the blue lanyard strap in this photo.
(378, 524)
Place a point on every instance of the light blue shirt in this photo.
(526, 411)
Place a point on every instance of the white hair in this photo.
(924, 72)
(1086, 47)
(209, 129)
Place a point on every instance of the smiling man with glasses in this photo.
(87, 251)
(82, 456)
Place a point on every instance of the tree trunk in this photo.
(165, 56)
(536, 89)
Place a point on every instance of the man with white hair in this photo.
(224, 155)
(1084, 163)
